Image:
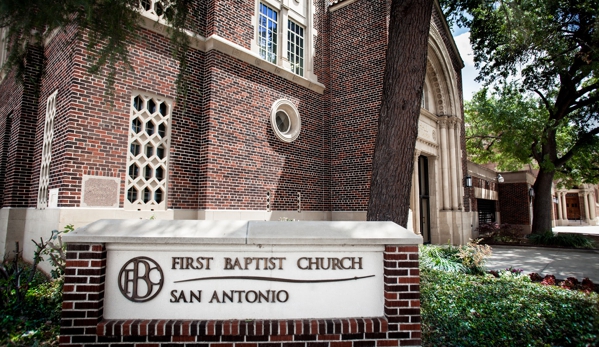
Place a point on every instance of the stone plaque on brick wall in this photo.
(99, 191)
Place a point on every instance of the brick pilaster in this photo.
(83, 293)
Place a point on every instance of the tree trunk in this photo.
(405, 70)
(542, 202)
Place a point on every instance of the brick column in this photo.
(83, 293)
(402, 294)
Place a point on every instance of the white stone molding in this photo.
(215, 42)
(444, 153)
(452, 164)
(285, 120)
(444, 77)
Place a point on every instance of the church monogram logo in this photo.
(140, 279)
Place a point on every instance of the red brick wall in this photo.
(514, 203)
(223, 153)
(20, 101)
(358, 42)
(91, 134)
(231, 20)
(244, 157)
(83, 302)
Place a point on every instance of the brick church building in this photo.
(279, 121)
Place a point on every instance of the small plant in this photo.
(469, 258)
(562, 240)
(442, 258)
(488, 229)
(474, 255)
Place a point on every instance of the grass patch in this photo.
(466, 310)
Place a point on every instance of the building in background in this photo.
(507, 197)
(279, 120)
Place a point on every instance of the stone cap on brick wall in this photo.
(242, 232)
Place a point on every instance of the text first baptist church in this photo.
(279, 121)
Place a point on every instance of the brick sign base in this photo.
(83, 324)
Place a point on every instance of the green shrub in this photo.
(465, 310)
(30, 304)
(564, 240)
(35, 320)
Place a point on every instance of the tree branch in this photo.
(545, 101)
(582, 140)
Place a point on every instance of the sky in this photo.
(469, 73)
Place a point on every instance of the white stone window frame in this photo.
(285, 107)
(141, 160)
(288, 10)
(46, 156)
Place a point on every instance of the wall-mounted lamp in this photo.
(468, 182)
(531, 192)
(500, 178)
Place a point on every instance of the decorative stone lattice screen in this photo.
(42, 196)
(147, 158)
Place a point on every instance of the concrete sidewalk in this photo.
(562, 263)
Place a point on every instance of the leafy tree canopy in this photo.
(110, 27)
(549, 48)
(504, 124)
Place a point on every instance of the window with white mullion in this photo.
(267, 33)
(295, 47)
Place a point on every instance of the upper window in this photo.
(267, 33)
(295, 47)
(282, 36)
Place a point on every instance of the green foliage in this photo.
(35, 320)
(562, 240)
(30, 305)
(109, 27)
(468, 258)
(546, 48)
(504, 126)
(465, 310)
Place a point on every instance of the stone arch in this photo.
(442, 76)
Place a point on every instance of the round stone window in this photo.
(285, 120)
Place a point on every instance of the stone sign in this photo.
(165, 283)
(245, 281)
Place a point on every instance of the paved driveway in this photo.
(547, 261)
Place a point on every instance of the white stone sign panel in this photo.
(202, 282)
